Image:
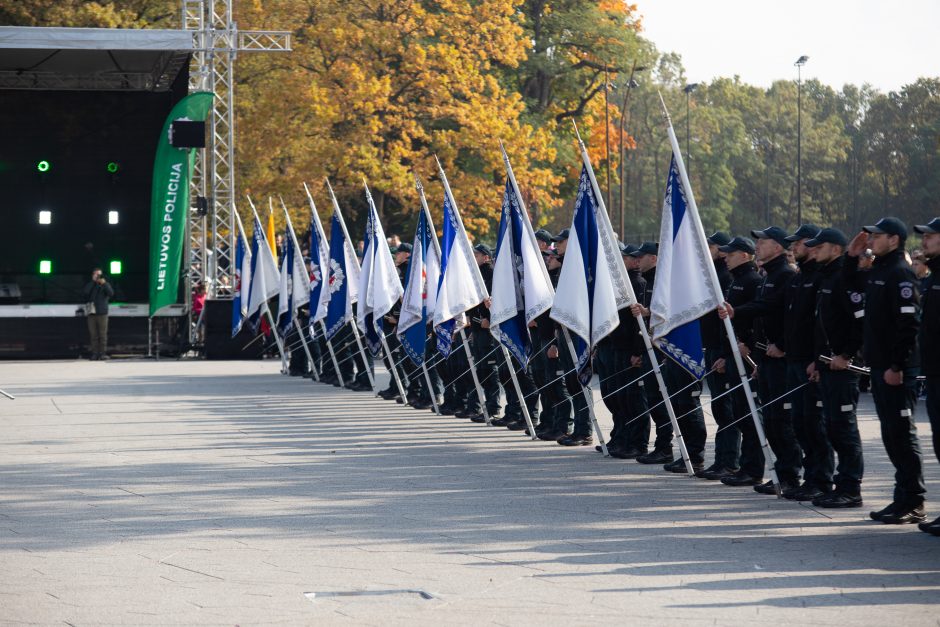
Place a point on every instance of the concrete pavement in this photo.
(223, 493)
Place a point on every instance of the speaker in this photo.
(219, 343)
(187, 134)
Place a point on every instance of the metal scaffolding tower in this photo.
(217, 41)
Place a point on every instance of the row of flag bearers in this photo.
(540, 315)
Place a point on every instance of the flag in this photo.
(295, 282)
(521, 290)
(417, 306)
(240, 291)
(593, 285)
(343, 275)
(269, 235)
(379, 285)
(265, 278)
(682, 293)
(319, 263)
(460, 286)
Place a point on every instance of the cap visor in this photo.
(872, 229)
(925, 228)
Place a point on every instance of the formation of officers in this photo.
(813, 314)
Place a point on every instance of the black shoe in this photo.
(718, 473)
(766, 488)
(808, 492)
(103, 357)
(549, 435)
(359, 387)
(518, 425)
(933, 528)
(881, 513)
(445, 410)
(627, 453)
(388, 394)
(502, 422)
(463, 412)
(575, 440)
(678, 466)
(837, 499)
(422, 404)
(905, 516)
(477, 418)
(741, 478)
(658, 456)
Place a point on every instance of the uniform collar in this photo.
(744, 268)
(890, 258)
(775, 263)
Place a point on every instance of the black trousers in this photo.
(685, 392)
(895, 405)
(657, 407)
(778, 424)
(488, 358)
(839, 392)
(752, 455)
(932, 387)
(809, 424)
(526, 384)
(727, 440)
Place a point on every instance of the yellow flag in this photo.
(269, 234)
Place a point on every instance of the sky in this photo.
(886, 44)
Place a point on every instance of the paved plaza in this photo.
(137, 492)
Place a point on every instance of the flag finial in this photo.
(575, 124)
(665, 111)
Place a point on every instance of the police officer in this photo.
(619, 354)
(892, 321)
(930, 339)
(389, 325)
(770, 310)
(838, 335)
(555, 420)
(486, 355)
(804, 403)
(728, 441)
(745, 281)
(647, 256)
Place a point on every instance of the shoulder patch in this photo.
(907, 292)
(855, 297)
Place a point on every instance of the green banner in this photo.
(169, 204)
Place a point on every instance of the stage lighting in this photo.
(113, 217)
(45, 266)
(113, 167)
(115, 267)
(45, 217)
(43, 166)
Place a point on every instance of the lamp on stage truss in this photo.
(187, 134)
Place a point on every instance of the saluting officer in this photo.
(838, 335)
(892, 320)
(930, 339)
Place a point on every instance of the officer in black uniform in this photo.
(647, 256)
(618, 355)
(728, 441)
(769, 308)
(745, 281)
(389, 326)
(555, 420)
(804, 403)
(837, 334)
(486, 355)
(930, 339)
(892, 320)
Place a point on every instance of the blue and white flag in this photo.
(522, 290)
(242, 281)
(461, 286)
(379, 285)
(682, 293)
(319, 263)
(342, 280)
(295, 282)
(418, 301)
(593, 285)
(265, 278)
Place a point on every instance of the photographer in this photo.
(97, 293)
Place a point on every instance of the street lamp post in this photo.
(799, 137)
(607, 130)
(631, 85)
(688, 89)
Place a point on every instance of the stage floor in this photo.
(193, 492)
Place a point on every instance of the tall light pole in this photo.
(799, 138)
(631, 85)
(607, 130)
(688, 89)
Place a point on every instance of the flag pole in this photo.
(463, 335)
(315, 224)
(303, 339)
(267, 310)
(381, 333)
(716, 289)
(506, 356)
(244, 241)
(644, 332)
(355, 261)
(424, 366)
